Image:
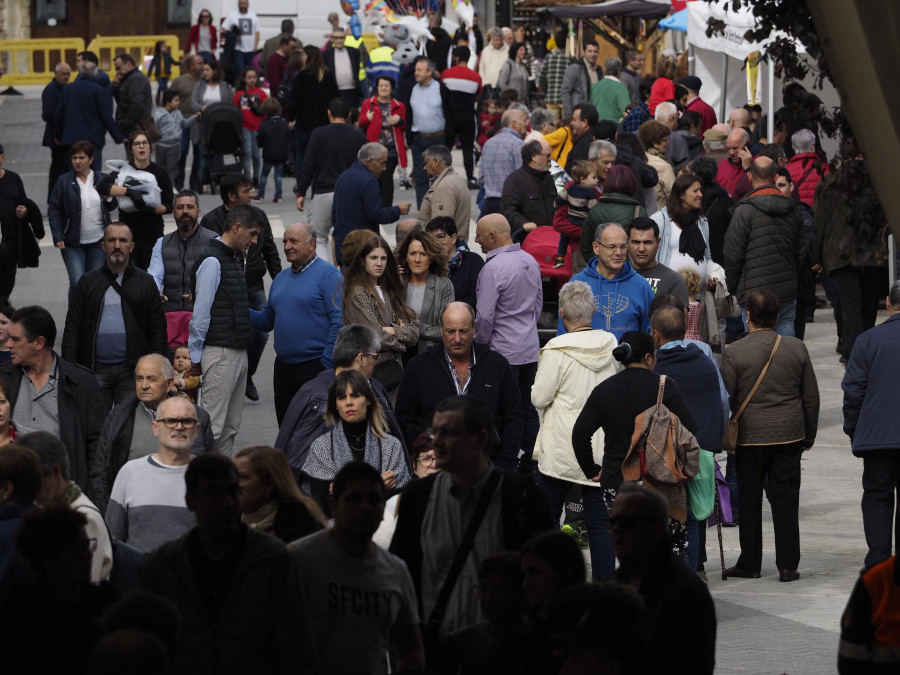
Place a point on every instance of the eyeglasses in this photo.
(139, 144)
(173, 422)
(615, 247)
(629, 522)
(426, 460)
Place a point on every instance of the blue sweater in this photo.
(621, 304)
(305, 311)
(698, 378)
(357, 205)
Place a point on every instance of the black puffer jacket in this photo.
(145, 322)
(765, 245)
(528, 196)
(261, 256)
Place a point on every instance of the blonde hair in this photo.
(691, 279)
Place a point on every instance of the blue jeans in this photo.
(418, 146)
(252, 155)
(596, 519)
(693, 539)
(278, 169)
(787, 311)
(80, 259)
(524, 375)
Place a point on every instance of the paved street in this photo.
(764, 626)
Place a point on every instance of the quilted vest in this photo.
(229, 316)
(179, 258)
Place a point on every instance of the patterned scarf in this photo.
(72, 493)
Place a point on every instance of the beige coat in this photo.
(448, 196)
(361, 307)
(569, 368)
(666, 177)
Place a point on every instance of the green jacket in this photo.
(611, 208)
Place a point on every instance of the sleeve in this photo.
(810, 397)
(197, 97)
(319, 462)
(71, 343)
(309, 164)
(48, 103)
(408, 333)
(165, 185)
(156, 269)
(117, 513)
(208, 276)
(857, 633)
(396, 462)
(99, 464)
(375, 212)
(674, 400)
(334, 307)
(263, 320)
(487, 294)
(547, 380)
(589, 420)
(409, 403)
(56, 210)
(586, 245)
(734, 250)
(359, 307)
(854, 384)
(511, 203)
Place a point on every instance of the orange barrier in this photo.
(33, 61)
(140, 47)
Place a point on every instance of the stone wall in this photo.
(15, 19)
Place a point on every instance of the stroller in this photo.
(223, 137)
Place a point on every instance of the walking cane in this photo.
(719, 530)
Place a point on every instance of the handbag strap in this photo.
(465, 546)
(758, 380)
(659, 395)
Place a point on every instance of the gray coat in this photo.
(576, 86)
(226, 95)
(438, 294)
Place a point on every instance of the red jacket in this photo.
(698, 105)
(733, 179)
(372, 129)
(806, 170)
(566, 227)
(194, 38)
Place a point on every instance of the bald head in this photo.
(492, 232)
(515, 119)
(667, 324)
(299, 244)
(406, 227)
(738, 118)
(458, 312)
(738, 137)
(762, 172)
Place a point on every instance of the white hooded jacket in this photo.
(570, 366)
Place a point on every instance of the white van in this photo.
(310, 16)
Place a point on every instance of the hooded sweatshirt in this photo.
(570, 366)
(621, 304)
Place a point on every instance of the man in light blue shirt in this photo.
(426, 119)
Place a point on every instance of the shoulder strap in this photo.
(812, 165)
(562, 145)
(118, 289)
(662, 387)
(637, 211)
(465, 547)
(759, 379)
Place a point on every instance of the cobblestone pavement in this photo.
(764, 626)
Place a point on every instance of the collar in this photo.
(512, 131)
(151, 413)
(674, 343)
(305, 267)
(533, 171)
(612, 77)
(504, 249)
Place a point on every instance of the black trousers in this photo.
(9, 255)
(287, 378)
(386, 181)
(464, 129)
(781, 463)
(859, 289)
(881, 471)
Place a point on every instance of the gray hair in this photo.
(49, 449)
(88, 68)
(521, 107)
(370, 151)
(601, 228)
(803, 141)
(540, 117)
(612, 66)
(601, 148)
(664, 111)
(164, 365)
(352, 340)
(495, 32)
(439, 151)
(894, 295)
(576, 301)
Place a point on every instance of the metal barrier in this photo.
(138, 46)
(33, 61)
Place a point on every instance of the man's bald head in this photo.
(492, 232)
(514, 119)
(738, 136)
(762, 172)
(738, 118)
(668, 323)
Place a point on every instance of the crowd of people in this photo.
(412, 499)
